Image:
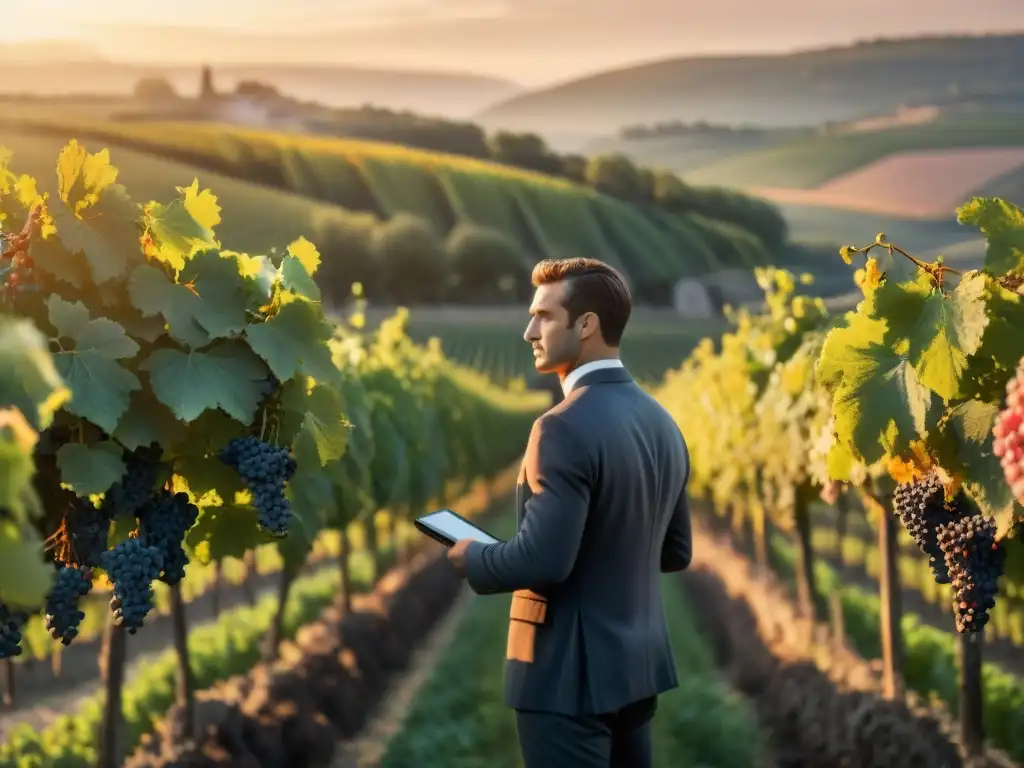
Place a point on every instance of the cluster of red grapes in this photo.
(975, 561)
(921, 506)
(1008, 434)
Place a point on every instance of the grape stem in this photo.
(936, 270)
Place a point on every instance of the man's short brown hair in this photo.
(591, 286)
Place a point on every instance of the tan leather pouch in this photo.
(528, 611)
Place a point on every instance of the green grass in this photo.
(548, 217)
(809, 162)
(459, 718)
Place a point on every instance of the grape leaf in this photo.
(942, 331)
(879, 404)
(100, 387)
(25, 576)
(221, 291)
(208, 475)
(106, 234)
(316, 416)
(90, 469)
(225, 531)
(297, 268)
(148, 421)
(306, 254)
(28, 378)
(970, 424)
(312, 498)
(17, 441)
(228, 376)
(175, 233)
(1002, 224)
(82, 177)
(201, 205)
(294, 341)
(153, 293)
(53, 258)
(1003, 341)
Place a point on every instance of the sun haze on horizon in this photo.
(531, 41)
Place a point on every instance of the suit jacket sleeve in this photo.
(677, 549)
(558, 471)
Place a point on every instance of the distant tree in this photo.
(485, 265)
(345, 242)
(524, 150)
(574, 168)
(615, 175)
(673, 194)
(410, 258)
(257, 91)
(155, 89)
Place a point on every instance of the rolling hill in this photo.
(805, 88)
(545, 216)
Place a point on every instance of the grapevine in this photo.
(181, 388)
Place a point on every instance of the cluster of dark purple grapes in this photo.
(921, 505)
(135, 488)
(63, 615)
(88, 529)
(132, 567)
(265, 469)
(163, 522)
(975, 561)
(11, 623)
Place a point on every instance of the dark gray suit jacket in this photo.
(602, 514)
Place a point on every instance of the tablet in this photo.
(447, 527)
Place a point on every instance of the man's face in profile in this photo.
(555, 344)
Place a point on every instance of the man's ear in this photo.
(589, 325)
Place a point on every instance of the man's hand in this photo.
(457, 555)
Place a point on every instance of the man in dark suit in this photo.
(602, 514)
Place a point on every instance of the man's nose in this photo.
(531, 333)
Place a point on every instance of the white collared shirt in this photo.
(583, 370)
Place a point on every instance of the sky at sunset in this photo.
(530, 41)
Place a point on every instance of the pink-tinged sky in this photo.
(531, 41)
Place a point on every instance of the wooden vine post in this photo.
(112, 669)
(891, 597)
(184, 683)
(807, 583)
(972, 694)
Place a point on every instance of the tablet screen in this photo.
(455, 528)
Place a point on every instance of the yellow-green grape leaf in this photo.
(294, 341)
(83, 177)
(1002, 225)
(90, 469)
(297, 269)
(25, 577)
(229, 377)
(942, 331)
(87, 361)
(879, 404)
(970, 426)
(175, 233)
(225, 531)
(201, 205)
(316, 417)
(17, 441)
(154, 293)
(221, 290)
(28, 377)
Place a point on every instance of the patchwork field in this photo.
(926, 184)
